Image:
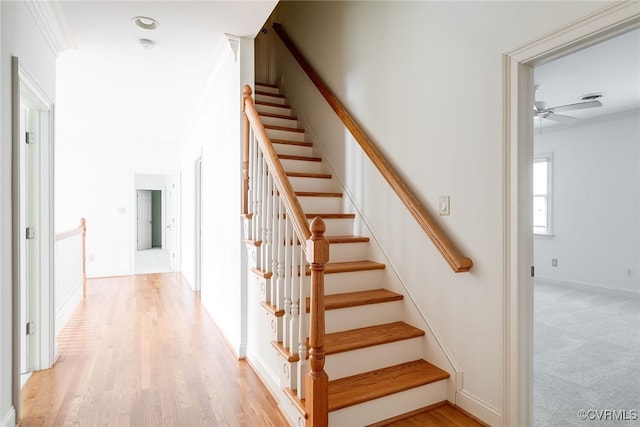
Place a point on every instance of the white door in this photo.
(144, 219)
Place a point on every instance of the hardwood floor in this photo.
(442, 416)
(140, 350)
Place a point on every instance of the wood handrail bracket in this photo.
(451, 254)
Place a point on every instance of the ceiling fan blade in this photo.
(537, 106)
(562, 119)
(578, 106)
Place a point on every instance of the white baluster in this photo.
(288, 276)
(295, 303)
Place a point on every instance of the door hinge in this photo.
(30, 138)
(31, 328)
(30, 233)
(533, 271)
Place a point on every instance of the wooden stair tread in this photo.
(356, 299)
(284, 128)
(288, 142)
(370, 336)
(267, 85)
(308, 174)
(331, 215)
(284, 352)
(346, 239)
(305, 158)
(364, 387)
(277, 116)
(318, 194)
(275, 95)
(350, 266)
(272, 309)
(273, 104)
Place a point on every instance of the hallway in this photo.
(140, 350)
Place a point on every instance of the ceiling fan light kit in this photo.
(591, 100)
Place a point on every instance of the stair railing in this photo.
(284, 241)
(70, 273)
(451, 254)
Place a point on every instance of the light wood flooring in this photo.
(141, 351)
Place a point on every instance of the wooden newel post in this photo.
(317, 381)
(246, 96)
(83, 226)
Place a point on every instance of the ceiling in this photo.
(611, 67)
(115, 86)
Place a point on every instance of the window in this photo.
(542, 194)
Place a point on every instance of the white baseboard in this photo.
(9, 420)
(594, 287)
(479, 409)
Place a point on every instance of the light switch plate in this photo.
(443, 206)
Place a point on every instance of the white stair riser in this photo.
(356, 362)
(321, 204)
(285, 134)
(301, 166)
(389, 406)
(277, 121)
(293, 150)
(337, 227)
(353, 281)
(269, 89)
(340, 252)
(271, 99)
(312, 184)
(274, 110)
(345, 319)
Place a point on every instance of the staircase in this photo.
(374, 359)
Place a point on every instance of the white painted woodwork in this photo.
(321, 204)
(278, 121)
(389, 406)
(293, 150)
(313, 184)
(301, 166)
(270, 99)
(341, 365)
(68, 280)
(287, 135)
(359, 317)
(349, 251)
(338, 226)
(353, 281)
(277, 109)
(269, 89)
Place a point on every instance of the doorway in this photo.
(154, 222)
(518, 100)
(32, 229)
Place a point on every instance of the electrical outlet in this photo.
(92, 258)
(554, 262)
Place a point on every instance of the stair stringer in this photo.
(434, 347)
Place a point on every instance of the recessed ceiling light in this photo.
(145, 22)
(147, 44)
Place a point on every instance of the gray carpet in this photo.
(586, 357)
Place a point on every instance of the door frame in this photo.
(25, 91)
(518, 65)
(147, 180)
(197, 235)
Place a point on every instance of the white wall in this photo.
(95, 173)
(215, 136)
(21, 37)
(424, 79)
(596, 203)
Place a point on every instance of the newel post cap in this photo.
(317, 245)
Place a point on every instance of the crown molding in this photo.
(234, 44)
(50, 19)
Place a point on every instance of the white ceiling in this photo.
(611, 67)
(116, 85)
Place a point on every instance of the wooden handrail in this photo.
(276, 170)
(81, 229)
(448, 250)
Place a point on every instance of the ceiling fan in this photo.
(540, 111)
